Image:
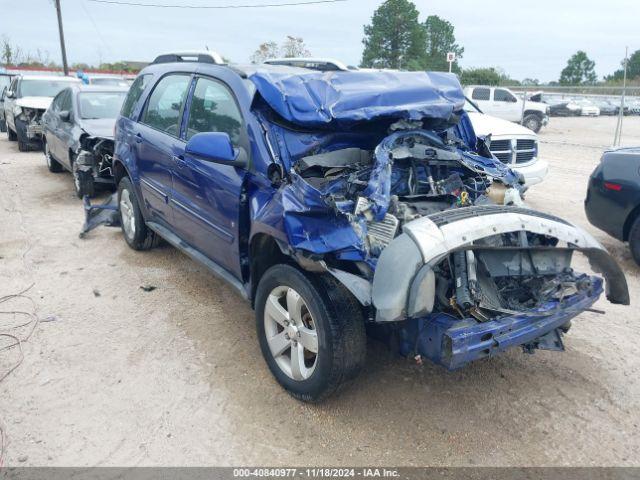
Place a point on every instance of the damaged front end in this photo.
(28, 122)
(427, 229)
(94, 160)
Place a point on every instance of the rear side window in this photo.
(481, 94)
(164, 108)
(65, 101)
(214, 109)
(137, 87)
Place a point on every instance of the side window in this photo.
(14, 86)
(135, 91)
(65, 101)
(481, 94)
(55, 104)
(214, 109)
(501, 95)
(164, 108)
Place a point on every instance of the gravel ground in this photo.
(174, 376)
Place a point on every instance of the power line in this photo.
(217, 7)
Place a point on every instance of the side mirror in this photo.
(10, 94)
(216, 147)
(65, 115)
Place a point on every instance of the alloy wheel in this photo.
(291, 333)
(127, 214)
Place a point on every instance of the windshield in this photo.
(41, 88)
(95, 105)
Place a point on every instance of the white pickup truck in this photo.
(503, 103)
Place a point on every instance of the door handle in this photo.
(179, 161)
(139, 138)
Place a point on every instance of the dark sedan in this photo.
(78, 134)
(613, 197)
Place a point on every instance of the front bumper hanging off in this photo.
(404, 285)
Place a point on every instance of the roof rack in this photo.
(199, 56)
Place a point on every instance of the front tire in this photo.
(52, 164)
(634, 240)
(136, 233)
(311, 332)
(532, 122)
(11, 135)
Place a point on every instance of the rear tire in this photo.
(634, 240)
(324, 308)
(136, 233)
(532, 122)
(52, 163)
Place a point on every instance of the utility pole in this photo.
(617, 138)
(62, 47)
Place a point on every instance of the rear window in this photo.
(481, 94)
(95, 105)
(41, 88)
(137, 87)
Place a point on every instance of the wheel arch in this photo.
(264, 253)
(631, 218)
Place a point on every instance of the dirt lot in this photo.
(121, 376)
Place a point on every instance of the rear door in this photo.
(206, 197)
(158, 145)
(64, 140)
(482, 97)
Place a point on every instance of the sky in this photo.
(532, 39)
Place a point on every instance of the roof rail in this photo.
(199, 56)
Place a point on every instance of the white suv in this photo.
(503, 103)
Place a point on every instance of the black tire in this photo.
(52, 164)
(141, 237)
(339, 324)
(11, 135)
(532, 122)
(23, 146)
(83, 183)
(634, 240)
(3, 126)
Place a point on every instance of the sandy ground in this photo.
(175, 376)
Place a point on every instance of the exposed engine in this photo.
(411, 174)
(95, 157)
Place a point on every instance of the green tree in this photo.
(395, 38)
(633, 69)
(440, 40)
(294, 47)
(580, 70)
(480, 76)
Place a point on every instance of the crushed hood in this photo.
(487, 125)
(40, 103)
(101, 127)
(341, 98)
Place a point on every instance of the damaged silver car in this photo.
(78, 135)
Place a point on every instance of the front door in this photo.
(158, 144)
(206, 197)
(507, 104)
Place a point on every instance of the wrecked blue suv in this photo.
(343, 202)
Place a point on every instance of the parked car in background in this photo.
(587, 108)
(25, 102)
(562, 107)
(512, 144)
(607, 107)
(503, 103)
(328, 214)
(5, 81)
(633, 106)
(78, 134)
(613, 197)
(320, 64)
(108, 81)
